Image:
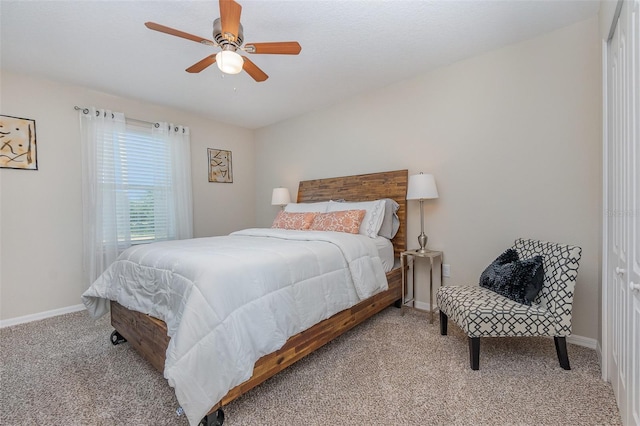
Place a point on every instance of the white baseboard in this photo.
(422, 305)
(41, 315)
(587, 342)
(573, 339)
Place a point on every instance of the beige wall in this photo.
(41, 211)
(512, 136)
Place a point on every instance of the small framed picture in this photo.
(18, 143)
(220, 166)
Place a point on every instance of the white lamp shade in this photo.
(280, 197)
(229, 62)
(422, 187)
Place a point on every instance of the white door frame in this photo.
(604, 328)
(605, 343)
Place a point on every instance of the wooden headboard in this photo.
(368, 187)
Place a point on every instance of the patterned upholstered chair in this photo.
(480, 312)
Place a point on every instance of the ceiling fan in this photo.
(227, 35)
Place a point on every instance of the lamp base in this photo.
(422, 240)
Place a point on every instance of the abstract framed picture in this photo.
(220, 166)
(18, 143)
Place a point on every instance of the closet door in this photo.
(633, 279)
(623, 214)
(618, 292)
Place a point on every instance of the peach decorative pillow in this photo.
(341, 221)
(295, 221)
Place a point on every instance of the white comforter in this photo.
(228, 301)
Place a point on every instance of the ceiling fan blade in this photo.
(277, 48)
(252, 69)
(199, 66)
(230, 19)
(177, 33)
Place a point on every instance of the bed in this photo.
(150, 336)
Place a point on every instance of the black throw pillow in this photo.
(519, 280)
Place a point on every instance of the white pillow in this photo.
(372, 219)
(391, 221)
(319, 207)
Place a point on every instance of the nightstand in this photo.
(431, 255)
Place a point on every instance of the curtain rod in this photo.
(86, 111)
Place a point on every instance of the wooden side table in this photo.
(432, 255)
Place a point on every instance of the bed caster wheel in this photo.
(116, 338)
(213, 419)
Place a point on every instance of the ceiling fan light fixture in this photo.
(229, 62)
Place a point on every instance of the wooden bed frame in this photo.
(148, 335)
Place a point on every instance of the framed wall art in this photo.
(220, 166)
(18, 143)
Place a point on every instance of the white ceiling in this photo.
(348, 47)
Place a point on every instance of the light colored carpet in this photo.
(392, 370)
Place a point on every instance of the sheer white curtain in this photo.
(180, 201)
(100, 132)
(136, 186)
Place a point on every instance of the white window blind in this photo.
(138, 171)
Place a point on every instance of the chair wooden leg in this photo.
(443, 323)
(561, 350)
(474, 352)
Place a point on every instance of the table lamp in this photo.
(280, 197)
(422, 187)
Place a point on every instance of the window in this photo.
(138, 171)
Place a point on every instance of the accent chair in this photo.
(481, 312)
